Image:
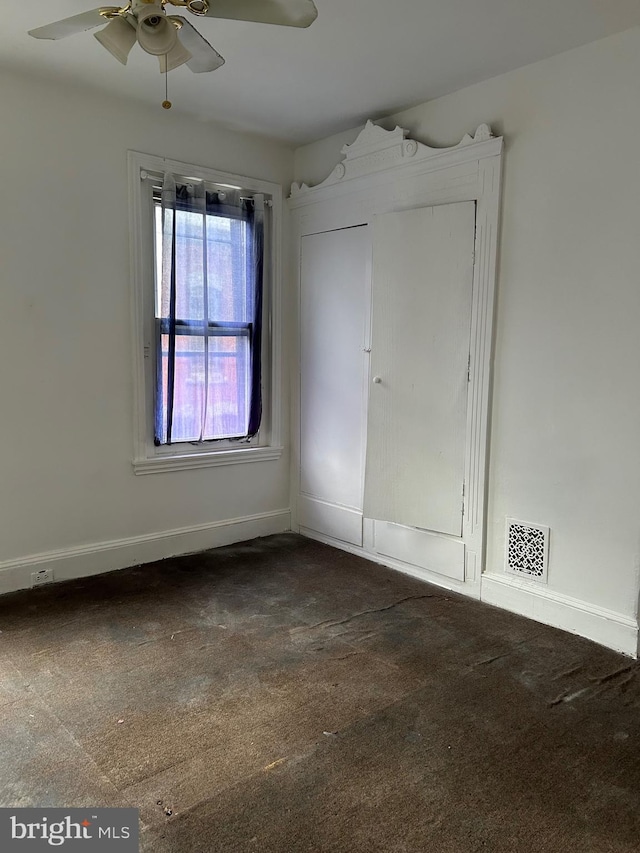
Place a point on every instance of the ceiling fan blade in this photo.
(70, 26)
(203, 56)
(285, 13)
(176, 57)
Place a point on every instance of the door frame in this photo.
(384, 171)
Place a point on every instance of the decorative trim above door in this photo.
(377, 149)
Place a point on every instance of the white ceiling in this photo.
(360, 59)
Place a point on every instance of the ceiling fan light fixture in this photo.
(175, 58)
(119, 36)
(157, 35)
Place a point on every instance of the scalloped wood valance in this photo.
(377, 149)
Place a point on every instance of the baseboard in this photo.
(342, 522)
(98, 557)
(397, 565)
(611, 629)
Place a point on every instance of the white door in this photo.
(334, 299)
(422, 288)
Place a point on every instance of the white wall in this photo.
(565, 440)
(66, 479)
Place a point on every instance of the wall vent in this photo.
(527, 552)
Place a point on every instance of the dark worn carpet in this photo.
(283, 696)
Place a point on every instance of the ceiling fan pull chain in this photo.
(166, 104)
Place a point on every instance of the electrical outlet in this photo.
(43, 576)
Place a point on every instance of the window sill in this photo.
(184, 462)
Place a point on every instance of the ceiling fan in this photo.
(147, 22)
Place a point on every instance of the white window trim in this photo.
(147, 458)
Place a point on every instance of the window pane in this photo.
(189, 268)
(229, 297)
(229, 387)
(227, 259)
(158, 257)
(188, 399)
(224, 391)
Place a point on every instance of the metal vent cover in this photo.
(527, 551)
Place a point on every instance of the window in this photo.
(209, 279)
(205, 331)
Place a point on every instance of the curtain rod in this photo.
(189, 179)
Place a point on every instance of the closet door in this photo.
(334, 300)
(422, 288)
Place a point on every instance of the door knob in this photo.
(377, 380)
